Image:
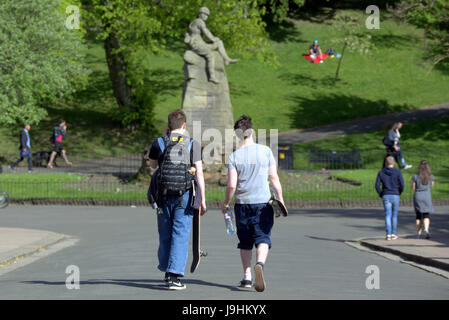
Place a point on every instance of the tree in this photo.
(40, 59)
(433, 17)
(277, 10)
(355, 39)
(133, 29)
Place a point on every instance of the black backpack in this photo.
(387, 142)
(174, 176)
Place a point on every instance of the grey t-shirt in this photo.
(252, 164)
(420, 187)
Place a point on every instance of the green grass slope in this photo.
(297, 94)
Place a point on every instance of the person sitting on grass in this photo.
(315, 51)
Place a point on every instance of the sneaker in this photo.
(394, 237)
(12, 169)
(427, 234)
(166, 277)
(175, 284)
(388, 237)
(407, 167)
(260, 282)
(246, 284)
(30, 171)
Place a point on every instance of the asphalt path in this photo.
(117, 257)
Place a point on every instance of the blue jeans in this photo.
(391, 206)
(174, 221)
(401, 157)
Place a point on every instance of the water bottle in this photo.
(230, 228)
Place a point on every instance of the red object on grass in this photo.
(317, 58)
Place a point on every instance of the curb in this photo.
(426, 264)
(407, 256)
(15, 255)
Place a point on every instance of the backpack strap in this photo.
(190, 144)
(161, 143)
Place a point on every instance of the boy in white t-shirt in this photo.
(249, 169)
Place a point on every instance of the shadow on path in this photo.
(150, 284)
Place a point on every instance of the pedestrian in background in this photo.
(394, 136)
(58, 133)
(25, 149)
(389, 186)
(422, 198)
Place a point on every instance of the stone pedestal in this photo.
(203, 100)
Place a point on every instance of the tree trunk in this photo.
(118, 72)
(339, 62)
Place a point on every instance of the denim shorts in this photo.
(254, 223)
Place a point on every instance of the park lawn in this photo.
(40, 178)
(366, 179)
(299, 94)
(422, 140)
(296, 94)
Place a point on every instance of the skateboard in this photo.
(196, 249)
(278, 207)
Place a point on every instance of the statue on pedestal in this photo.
(195, 42)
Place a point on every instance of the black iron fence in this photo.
(109, 181)
(320, 191)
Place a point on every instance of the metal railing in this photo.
(108, 181)
(334, 193)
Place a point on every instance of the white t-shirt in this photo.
(252, 164)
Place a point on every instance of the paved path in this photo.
(116, 255)
(363, 125)
(18, 243)
(431, 254)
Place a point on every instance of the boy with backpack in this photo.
(175, 154)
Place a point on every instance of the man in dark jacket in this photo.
(25, 149)
(392, 184)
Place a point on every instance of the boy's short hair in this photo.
(61, 121)
(176, 119)
(243, 127)
(389, 161)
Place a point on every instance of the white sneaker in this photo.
(407, 167)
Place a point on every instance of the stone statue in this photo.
(195, 42)
(205, 97)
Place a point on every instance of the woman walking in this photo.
(394, 136)
(422, 199)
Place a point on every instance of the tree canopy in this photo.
(132, 30)
(40, 59)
